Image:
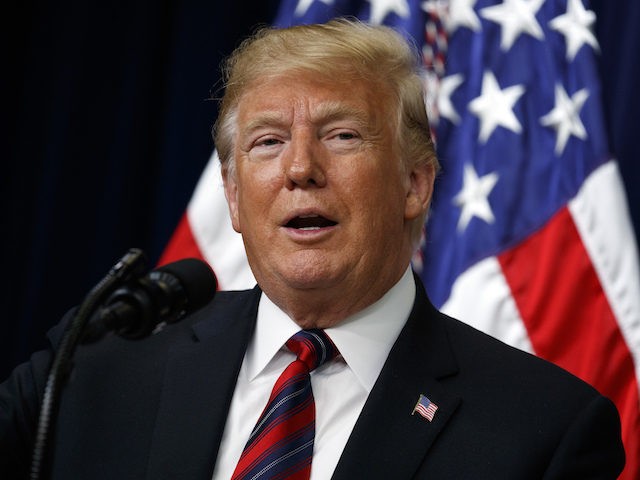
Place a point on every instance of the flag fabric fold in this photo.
(529, 238)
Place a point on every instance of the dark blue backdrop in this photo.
(106, 123)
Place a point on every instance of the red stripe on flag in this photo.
(570, 321)
(181, 245)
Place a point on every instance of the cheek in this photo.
(260, 175)
(377, 209)
(257, 195)
(385, 199)
(377, 187)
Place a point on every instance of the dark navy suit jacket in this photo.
(156, 408)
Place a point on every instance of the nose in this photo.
(303, 164)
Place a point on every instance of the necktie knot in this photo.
(313, 347)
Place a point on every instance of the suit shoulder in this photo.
(231, 301)
(480, 351)
(228, 309)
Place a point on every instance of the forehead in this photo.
(282, 98)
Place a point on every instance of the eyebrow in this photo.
(264, 119)
(330, 111)
(324, 113)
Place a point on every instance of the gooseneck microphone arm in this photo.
(130, 305)
(131, 264)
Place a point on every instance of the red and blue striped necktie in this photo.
(281, 443)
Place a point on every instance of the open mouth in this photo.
(310, 222)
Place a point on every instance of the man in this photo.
(328, 169)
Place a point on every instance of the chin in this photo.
(308, 281)
(309, 275)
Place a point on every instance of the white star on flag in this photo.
(495, 106)
(446, 88)
(473, 199)
(576, 26)
(381, 8)
(515, 17)
(565, 116)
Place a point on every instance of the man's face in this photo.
(319, 193)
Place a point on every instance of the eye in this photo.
(343, 135)
(343, 139)
(346, 135)
(265, 147)
(267, 142)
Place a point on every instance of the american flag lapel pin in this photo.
(425, 407)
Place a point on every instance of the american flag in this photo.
(529, 238)
(425, 407)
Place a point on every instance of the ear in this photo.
(231, 193)
(421, 178)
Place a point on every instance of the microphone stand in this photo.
(130, 265)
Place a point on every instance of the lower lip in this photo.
(309, 234)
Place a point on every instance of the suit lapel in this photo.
(387, 440)
(198, 387)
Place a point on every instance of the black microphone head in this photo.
(165, 295)
(196, 278)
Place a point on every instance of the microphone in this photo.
(164, 295)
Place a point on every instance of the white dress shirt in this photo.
(364, 341)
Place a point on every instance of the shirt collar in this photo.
(364, 339)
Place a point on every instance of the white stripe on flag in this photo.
(601, 216)
(481, 298)
(220, 245)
